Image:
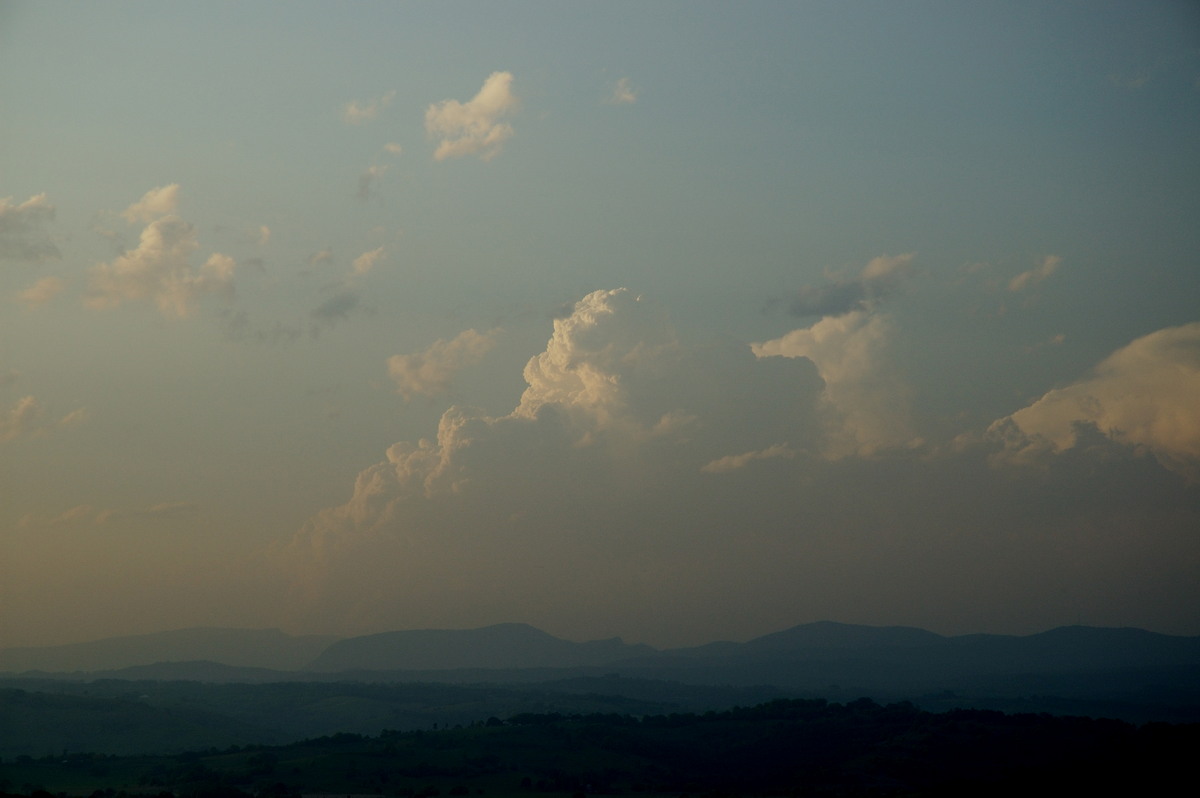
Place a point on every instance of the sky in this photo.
(674, 321)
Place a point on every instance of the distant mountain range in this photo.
(823, 657)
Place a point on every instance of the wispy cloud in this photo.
(622, 93)
(1037, 274)
(19, 419)
(367, 261)
(473, 127)
(41, 292)
(360, 112)
(22, 234)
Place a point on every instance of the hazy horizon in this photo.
(675, 322)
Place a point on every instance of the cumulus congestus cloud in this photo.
(600, 461)
(1146, 395)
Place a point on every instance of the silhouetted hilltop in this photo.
(250, 648)
(507, 645)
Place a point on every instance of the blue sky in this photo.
(674, 321)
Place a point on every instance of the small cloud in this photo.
(736, 461)
(322, 258)
(159, 268)
(21, 234)
(358, 112)
(154, 204)
(20, 419)
(880, 277)
(77, 416)
(366, 178)
(264, 235)
(393, 148)
(41, 292)
(366, 261)
(431, 372)
(473, 127)
(622, 93)
(1047, 267)
(337, 308)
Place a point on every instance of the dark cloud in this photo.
(22, 236)
(337, 308)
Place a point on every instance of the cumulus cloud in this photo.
(881, 276)
(643, 467)
(360, 112)
(431, 372)
(159, 269)
(22, 235)
(1037, 274)
(868, 406)
(41, 292)
(473, 127)
(616, 415)
(366, 261)
(1144, 395)
(622, 93)
(154, 204)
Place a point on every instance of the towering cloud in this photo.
(473, 127)
(159, 268)
(1145, 395)
(22, 235)
(607, 443)
(867, 404)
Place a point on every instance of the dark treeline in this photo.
(785, 747)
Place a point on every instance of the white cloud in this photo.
(622, 93)
(431, 372)
(159, 269)
(393, 148)
(1145, 395)
(473, 127)
(21, 229)
(1047, 267)
(359, 112)
(41, 292)
(366, 261)
(154, 204)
